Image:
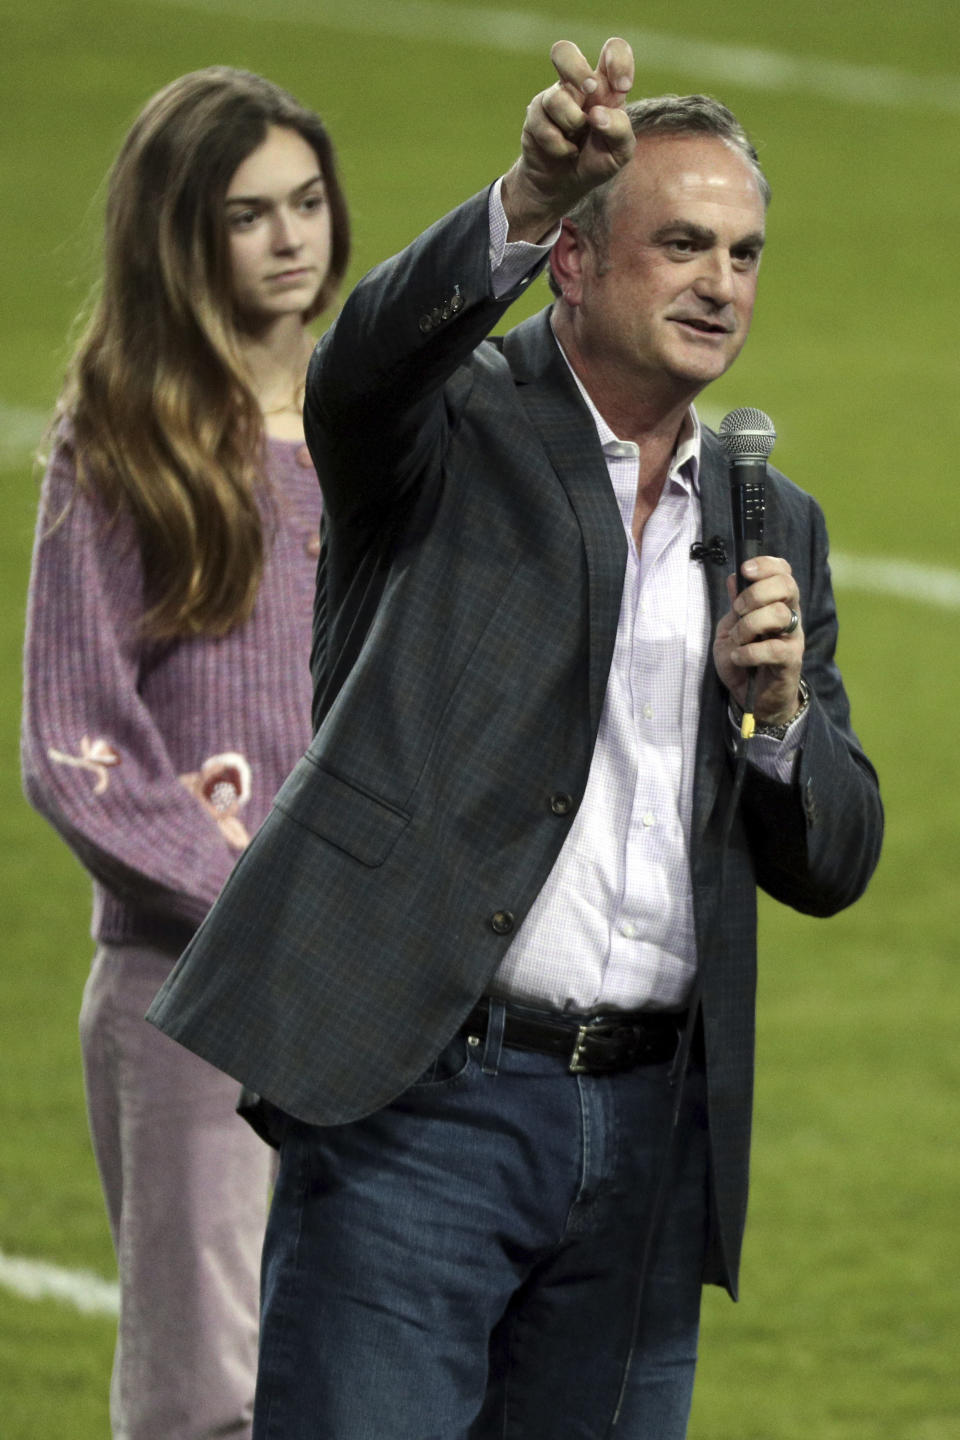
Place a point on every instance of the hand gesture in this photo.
(762, 631)
(576, 135)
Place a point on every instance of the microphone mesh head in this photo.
(747, 434)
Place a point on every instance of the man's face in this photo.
(673, 297)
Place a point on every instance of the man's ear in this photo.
(566, 263)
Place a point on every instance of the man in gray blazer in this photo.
(490, 961)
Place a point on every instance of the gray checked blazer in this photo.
(467, 603)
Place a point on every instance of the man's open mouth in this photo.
(706, 327)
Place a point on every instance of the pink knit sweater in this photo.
(157, 761)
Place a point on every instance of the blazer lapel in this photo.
(716, 519)
(566, 430)
(555, 409)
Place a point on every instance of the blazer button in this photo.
(426, 324)
(502, 922)
(561, 803)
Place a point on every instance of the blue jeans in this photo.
(461, 1265)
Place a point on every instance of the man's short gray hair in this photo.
(678, 115)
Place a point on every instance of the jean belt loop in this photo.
(493, 1043)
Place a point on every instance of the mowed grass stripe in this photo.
(517, 31)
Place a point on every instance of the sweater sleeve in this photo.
(94, 761)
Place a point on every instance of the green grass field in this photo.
(849, 1326)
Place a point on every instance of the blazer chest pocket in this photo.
(339, 813)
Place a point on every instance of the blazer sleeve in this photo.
(816, 841)
(94, 762)
(375, 410)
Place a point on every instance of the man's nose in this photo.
(715, 278)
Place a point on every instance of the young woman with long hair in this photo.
(167, 677)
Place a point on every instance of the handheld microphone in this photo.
(748, 437)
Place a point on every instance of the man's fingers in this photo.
(617, 132)
(571, 65)
(610, 81)
(576, 135)
(616, 63)
(769, 579)
(771, 623)
(585, 99)
(545, 134)
(763, 566)
(564, 111)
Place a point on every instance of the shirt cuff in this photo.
(513, 262)
(775, 758)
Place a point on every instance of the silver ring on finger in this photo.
(794, 622)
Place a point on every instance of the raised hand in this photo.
(576, 135)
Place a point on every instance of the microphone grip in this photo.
(747, 477)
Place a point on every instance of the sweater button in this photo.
(561, 803)
(501, 922)
(303, 458)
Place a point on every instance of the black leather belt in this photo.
(591, 1044)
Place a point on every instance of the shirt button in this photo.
(649, 819)
(303, 458)
(628, 929)
(561, 804)
(648, 712)
(501, 922)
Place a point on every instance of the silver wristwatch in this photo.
(776, 732)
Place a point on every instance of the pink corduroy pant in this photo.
(186, 1184)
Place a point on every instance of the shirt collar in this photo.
(685, 466)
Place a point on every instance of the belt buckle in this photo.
(580, 1061)
(577, 1064)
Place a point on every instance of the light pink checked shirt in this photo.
(612, 927)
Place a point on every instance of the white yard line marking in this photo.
(904, 579)
(516, 31)
(21, 430)
(36, 1280)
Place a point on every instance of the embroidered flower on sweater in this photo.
(97, 756)
(222, 785)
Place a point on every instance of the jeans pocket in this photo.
(451, 1065)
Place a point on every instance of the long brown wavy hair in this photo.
(161, 416)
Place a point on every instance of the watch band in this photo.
(776, 732)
